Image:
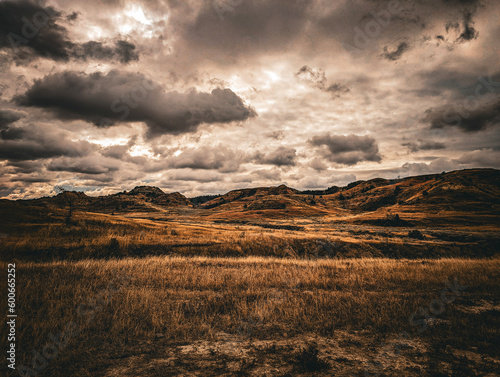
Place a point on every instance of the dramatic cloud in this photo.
(32, 26)
(77, 107)
(31, 29)
(131, 97)
(468, 32)
(317, 79)
(208, 157)
(7, 117)
(424, 145)
(486, 157)
(347, 150)
(397, 53)
(25, 166)
(282, 156)
(92, 165)
(33, 143)
(220, 29)
(469, 116)
(122, 51)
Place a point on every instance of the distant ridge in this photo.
(461, 188)
(464, 190)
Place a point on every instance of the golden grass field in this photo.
(256, 316)
(186, 232)
(380, 278)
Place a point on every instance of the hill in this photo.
(475, 192)
(449, 214)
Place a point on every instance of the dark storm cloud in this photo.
(347, 150)
(466, 92)
(33, 143)
(25, 167)
(337, 88)
(122, 51)
(245, 28)
(119, 150)
(208, 157)
(479, 116)
(424, 145)
(12, 133)
(32, 25)
(20, 150)
(317, 79)
(91, 165)
(31, 29)
(31, 179)
(464, 26)
(361, 27)
(397, 53)
(7, 117)
(72, 17)
(131, 97)
(282, 156)
(486, 157)
(468, 33)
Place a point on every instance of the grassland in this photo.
(188, 233)
(389, 278)
(169, 316)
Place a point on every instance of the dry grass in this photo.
(356, 303)
(93, 235)
(191, 292)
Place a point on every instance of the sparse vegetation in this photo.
(415, 233)
(261, 281)
(298, 316)
(307, 359)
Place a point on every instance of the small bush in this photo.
(308, 361)
(417, 234)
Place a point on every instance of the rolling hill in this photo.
(472, 192)
(449, 214)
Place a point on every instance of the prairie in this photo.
(379, 278)
(255, 316)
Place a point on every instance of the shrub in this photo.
(308, 361)
(417, 234)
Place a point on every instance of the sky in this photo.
(203, 97)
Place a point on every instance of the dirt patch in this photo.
(344, 354)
